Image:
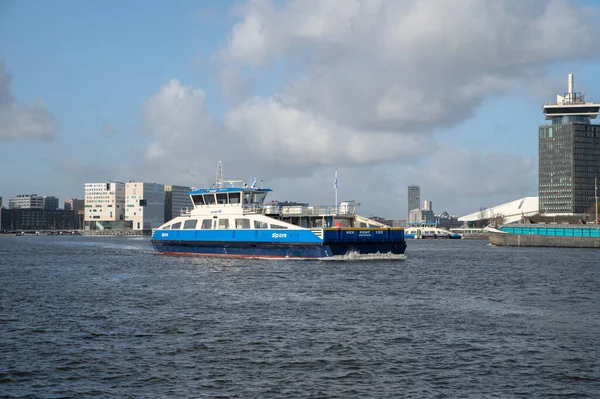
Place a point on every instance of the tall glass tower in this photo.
(569, 155)
(414, 198)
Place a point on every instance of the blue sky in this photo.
(390, 93)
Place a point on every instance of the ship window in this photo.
(260, 225)
(198, 199)
(234, 198)
(167, 227)
(247, 197)
(258, 198)
(222, 198)
(223, 223)
(176, 225)
(209, 199)
(207, 224)
(242, 223)
(276, 226)
(190, 224)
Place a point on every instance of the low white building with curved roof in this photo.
(511, 212)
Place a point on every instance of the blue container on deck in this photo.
(331, 235)
(396, 234)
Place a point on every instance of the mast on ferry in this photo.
(219, 176)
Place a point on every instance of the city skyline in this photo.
(289, 91)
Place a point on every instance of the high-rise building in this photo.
(144, 205)
(105, 206)
(177, 201)
(414, 198)
(0, 202)
(569, 154)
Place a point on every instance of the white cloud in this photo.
(285, 134)
(369, 87)
(22, 121)
(374, 73)
(464, 176)
(186, 140)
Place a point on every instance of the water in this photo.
(85, 317)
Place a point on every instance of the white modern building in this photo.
(144, 205)
(104, 206)
(177, 201)
(26, 201)
(427, 205)
(420, 216)
(510, 212)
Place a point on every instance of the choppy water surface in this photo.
(106, 317)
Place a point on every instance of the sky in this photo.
(444, 95)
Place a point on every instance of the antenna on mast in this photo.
(219, 176)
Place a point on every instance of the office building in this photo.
(0, 202)
(427, 205)
(420, 216)
(26, 201)
(569, 155)
(105, 206)
(50, 203)
(144, 205)
(77, 207)
(177, 201)
(35, 220)
(414, 198)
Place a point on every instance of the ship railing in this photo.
(302, 210)
(253, 208)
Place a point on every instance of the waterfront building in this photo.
(35, 219)
(177, 201)
(0, 202)
(414, 198)
(50, 203)
(105, 206)
(510, 212)
(427, 205)
(569, 155)
(447, 221)
(26, 201)
(144, 205)
(420, 216)
(77, 207)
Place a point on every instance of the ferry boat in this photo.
(236, 222)
(430, 231)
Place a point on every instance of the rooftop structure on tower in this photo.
(571, 107)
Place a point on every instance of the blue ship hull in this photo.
(242, 249)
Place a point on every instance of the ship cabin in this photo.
(250, 199)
